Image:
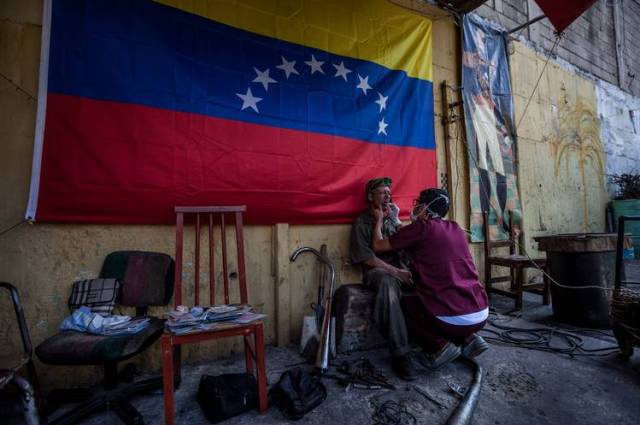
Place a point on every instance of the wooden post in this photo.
(282, 284)
(447, 110)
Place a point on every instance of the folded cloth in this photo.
(97, 294)
(83, 320)
(78, 321)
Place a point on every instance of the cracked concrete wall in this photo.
(619, 114)
(588, 43)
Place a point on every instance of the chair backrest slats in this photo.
(196, 217)
(196, 275)
(212, 279)
(225, 275)
(489, 244)
(177, 292)
(241, 266)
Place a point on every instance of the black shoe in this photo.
(475, 346)
(404, 367)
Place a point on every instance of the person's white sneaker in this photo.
(435, 361)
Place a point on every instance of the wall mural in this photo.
(576, 133)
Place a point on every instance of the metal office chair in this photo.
(11, 366)
(171, 343)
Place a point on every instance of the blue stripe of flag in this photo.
(145, 53)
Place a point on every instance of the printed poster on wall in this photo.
(490, 129)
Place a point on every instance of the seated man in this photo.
(384, 273)
(452, 304)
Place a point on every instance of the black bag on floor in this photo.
(296, 393)
(224, 396)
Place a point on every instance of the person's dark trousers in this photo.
(387, 313)
(431, 333)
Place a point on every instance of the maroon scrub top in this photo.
(449, 283)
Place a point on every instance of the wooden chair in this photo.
(516, 264)
(254, 352)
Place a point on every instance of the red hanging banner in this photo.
(563, 13)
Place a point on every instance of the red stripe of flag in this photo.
(123, 163)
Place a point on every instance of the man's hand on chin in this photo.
(394, 213)
(378, 213)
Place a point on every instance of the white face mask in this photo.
(432, 213)
(414, 216)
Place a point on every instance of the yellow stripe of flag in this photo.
(372, 30)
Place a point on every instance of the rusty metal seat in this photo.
(515, 262)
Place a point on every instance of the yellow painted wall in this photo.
(561, 157)
(43, 260)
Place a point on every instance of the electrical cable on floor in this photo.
(548, 339)
(591, 333)
(393, 413)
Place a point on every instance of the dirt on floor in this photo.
(520, 386)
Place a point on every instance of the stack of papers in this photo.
(132, 326)
(200, 319)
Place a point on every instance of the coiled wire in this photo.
(549, 339)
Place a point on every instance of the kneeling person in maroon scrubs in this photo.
(451, 305)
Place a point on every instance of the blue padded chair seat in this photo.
(79, 348)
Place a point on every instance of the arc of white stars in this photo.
(382, 101)
(249, 100)
(341, 70)
(363, 84)
(382, 127)
(288, 67)
(263, 78)
(315, 65)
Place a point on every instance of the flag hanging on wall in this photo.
(287, 107)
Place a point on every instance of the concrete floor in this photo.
(519, 387)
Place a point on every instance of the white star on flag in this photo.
(249, 100)
(363, 84)
(288, 67)
(341, 70)
(315, 65)
(382, 101)
(382, 127)
(263, 78)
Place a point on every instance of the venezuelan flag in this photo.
(286, 106)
